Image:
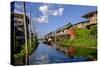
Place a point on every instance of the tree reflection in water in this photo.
(47, 54)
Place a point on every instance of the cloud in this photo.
(18, 6)
(17, 11)
(42, 19)
(54, 12)
(46, 12)
(57, 12)
(60, 10)
(44, 9)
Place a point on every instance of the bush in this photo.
(82, 33)
(21, 54)
(93, 31)
(82, 38)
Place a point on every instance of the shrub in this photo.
(93, 31)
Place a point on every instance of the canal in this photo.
(45, 54)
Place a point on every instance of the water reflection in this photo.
(46, 54)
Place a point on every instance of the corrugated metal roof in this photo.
(64, 27)
(59, 29)
(89, 14)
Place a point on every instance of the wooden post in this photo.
(25, 28)
(55, 37)
(30, 30)
(34, 30)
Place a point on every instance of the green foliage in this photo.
(82, 33)
(86, 52)
(21, 54)
(93, 31)
(84, 42)
(82, 39)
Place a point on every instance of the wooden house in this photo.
(18, 26)
(91, 17)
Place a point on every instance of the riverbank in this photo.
(19, 58)
(71, 51)
(76, 51)
(83, 44)
(72, 45)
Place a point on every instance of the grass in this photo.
(21, 55)
(85, 42)
(81, 42)
(83, 39)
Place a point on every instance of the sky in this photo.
(48, 17)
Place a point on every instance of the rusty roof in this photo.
(82, 22)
